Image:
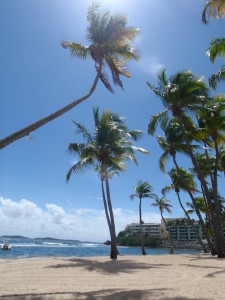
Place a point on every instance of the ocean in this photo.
(25, 248)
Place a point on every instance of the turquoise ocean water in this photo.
(24, 248)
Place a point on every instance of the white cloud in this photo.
(27, 219)
(151, 65)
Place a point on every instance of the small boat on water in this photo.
(5, 247)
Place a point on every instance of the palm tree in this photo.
(142, 190)
(213, 9)
(179, 184)
(109, 146)
(180, 94)
(163, 205)
(217, 49)
(111, 45)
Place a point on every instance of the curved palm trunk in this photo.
(192, 224)
(141, 232)
(170, 235)
(114, 251)
(106, 213)
(27, 130)
(215, 214)
(212, 249)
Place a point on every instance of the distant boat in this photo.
(5, 247)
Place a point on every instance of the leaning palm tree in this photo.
(109, 146)
(111, 45)
(180, 184)
(163, 205)
(142, 190)
(213, 9)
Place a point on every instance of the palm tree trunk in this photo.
(141, 232)
(208, 216)
(208, 162)
(212, 249)
(216, 219)
(170, 235)
(113, 254)
(192, 224)
(27, 130)
(106, 209)
(107, 213)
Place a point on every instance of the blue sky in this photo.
(38, 76)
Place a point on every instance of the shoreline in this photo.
(184, 276)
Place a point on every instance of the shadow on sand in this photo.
(154, 294)
(107, 267)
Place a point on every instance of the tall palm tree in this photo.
(213, 9)
(109, 146)
(111, 45)
(181, 94)
(164, 205)
(179, 184)
(142, 190)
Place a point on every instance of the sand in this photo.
(130, 277)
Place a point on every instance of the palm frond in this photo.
(76, 49)
(162, 161)
(82, 130)
(216, 78)
(155, 119)
(167, 189)
(80, 167)
(216, 49)
(213, 9)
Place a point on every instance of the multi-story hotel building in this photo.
(149, 229)
(179, 228)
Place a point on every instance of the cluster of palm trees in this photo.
(193, 124)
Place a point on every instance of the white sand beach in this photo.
(130, 277)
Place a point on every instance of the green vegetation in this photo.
(134, 241)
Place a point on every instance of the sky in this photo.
(38, 76)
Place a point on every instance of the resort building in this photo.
(180, 230)
(151, 230)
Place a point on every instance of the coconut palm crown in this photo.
(142, 190)
(180, 94)
(110, 44)
(108, 145)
